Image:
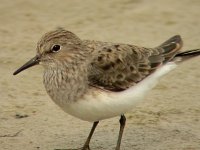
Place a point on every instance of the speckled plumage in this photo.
(110, 66)
(117, 67)
(94, 80)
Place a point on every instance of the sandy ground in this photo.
(169, 117)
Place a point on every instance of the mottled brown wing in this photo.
(119, 66)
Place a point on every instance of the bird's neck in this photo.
(65, 84)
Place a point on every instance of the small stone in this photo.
(19, 115)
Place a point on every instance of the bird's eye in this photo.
(56, 48)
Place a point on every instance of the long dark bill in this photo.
(34, 61)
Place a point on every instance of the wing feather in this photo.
(116, 67)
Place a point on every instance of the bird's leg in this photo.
(86, 145)
(122, 122)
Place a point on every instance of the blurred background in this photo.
(169, 117)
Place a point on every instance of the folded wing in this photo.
(117, 67)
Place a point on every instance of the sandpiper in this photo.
(94, 80)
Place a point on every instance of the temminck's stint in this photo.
(94, 80)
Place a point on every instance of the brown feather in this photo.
(116, 67)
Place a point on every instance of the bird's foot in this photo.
(82, 148)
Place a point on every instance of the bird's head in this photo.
(56, 48)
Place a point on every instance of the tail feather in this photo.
(182, 56)
(171, 47)
(170, 52)
(173, 40)
(167, 50)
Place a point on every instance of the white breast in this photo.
(98, 104)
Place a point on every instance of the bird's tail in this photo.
(186, 55)
(171, 47)
(172, 51)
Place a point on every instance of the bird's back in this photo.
(117, 67)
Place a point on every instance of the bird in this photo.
(95, 80)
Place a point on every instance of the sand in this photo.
(169, 117)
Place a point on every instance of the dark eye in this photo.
(55, 48)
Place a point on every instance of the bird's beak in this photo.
(34, 61)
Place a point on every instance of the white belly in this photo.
(98, 104)
(105, 105)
